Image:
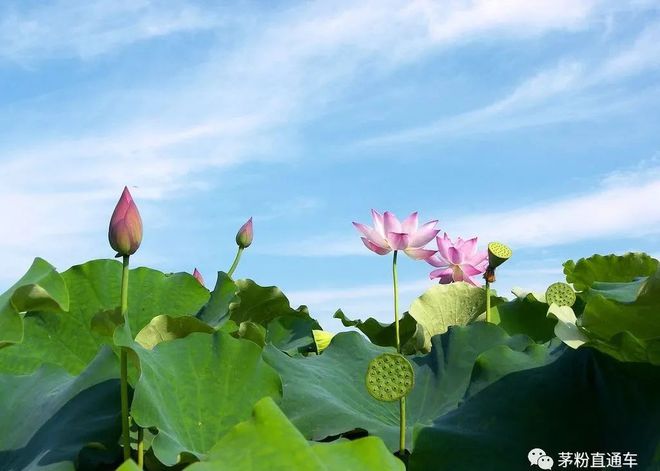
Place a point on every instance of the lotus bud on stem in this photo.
(125, 236)
(244, 238)
(498, 253)
(198, 276)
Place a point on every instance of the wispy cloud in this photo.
(621, 206)
(67, 28)
(243, 103)
(573, 90)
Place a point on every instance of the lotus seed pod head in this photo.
(498, 253)
(245, 235)
(322, 339)
(125, 231)
(198, 276)
(390, 377)
(560, 294)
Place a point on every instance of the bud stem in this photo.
(488, 318)
(235, 264)
(124, 364)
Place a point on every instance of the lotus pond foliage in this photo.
(104, 366)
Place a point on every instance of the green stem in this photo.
(402, 401)
(396, 304)
(487, 301)
(140, 447)
(124, 365)
(235, 264)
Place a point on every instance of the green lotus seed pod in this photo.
(321, 339)
(498, 253)
(561, 294)
(389, 377)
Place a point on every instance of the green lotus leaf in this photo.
(269, 441)
(609, 268)
(410, 333)
(322, 396)
(574, 403)
(261, 304)
(524, 315)
(128, 465)
(194, 389)
(68, 340)
(606, 317)
(624, 292)
(216, 311)
(251, 331)
(442, 306)
(164, 327)
(292, 333)
(49, 415)
(40, 289)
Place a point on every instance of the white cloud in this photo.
(622, 206)
(570, 91)
(68, 28)
(232, 109)
(624, 211)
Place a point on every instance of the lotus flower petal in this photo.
(372, 235)
(398, 240)
(409, 224)
(379, 225)
(391, 223)
(424, 234)
(419, 254)
(375, 248)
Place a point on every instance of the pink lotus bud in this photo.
(125, 232)
(198, 277)
(245, 234)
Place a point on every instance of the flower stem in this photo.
(235, 264)
(396, 303)
(402, 401)
(140, 448)
(488, 301)
(124, 364)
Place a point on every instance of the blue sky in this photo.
(533, 123)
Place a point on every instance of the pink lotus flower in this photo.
(245, 235)
(125, 231)
(390, 234)
(458, 261)
(198, 276)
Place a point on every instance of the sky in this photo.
(532, 123)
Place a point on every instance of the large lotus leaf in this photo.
(41, 288)
(325, 395)
(269, 441)
(49, 415)
(442, 306)
(610, 268)
(67, 340)
(625, 346)
(605, 317)
(292, 333)
(194, 389)
(216, 311)
(622, 292)
(410, 333)
(524, 315)
(164, 327)
(584, 401)
(261, 304)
